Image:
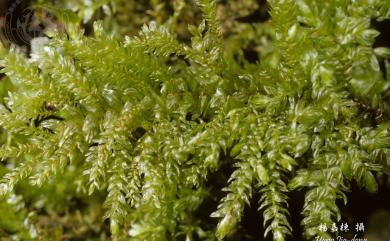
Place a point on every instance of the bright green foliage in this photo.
(142, 123)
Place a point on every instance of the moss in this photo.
(110, 134)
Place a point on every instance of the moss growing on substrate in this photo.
(109, 134)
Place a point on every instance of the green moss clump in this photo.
(142, 129)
